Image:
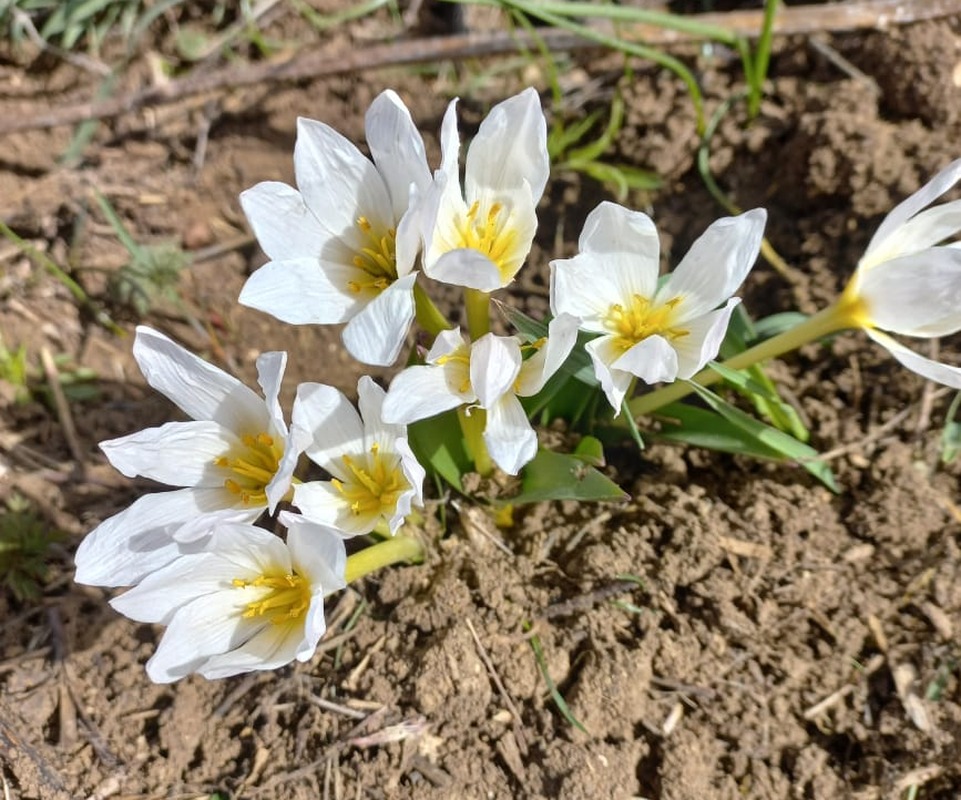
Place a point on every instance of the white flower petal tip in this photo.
(493, 215)
(908, 281)
(349, 231)
(375, 478)
(645, 331)
(244, 601)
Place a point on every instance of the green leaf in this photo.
(578, 363)
(786, 447)
(558, 698)
(778, 323)
(951, 435)
(565, 476)
(699, 427)
(438, 443)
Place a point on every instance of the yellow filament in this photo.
(287, 597)
(489, 234)
(377, 258)
(373, 483)
(251, 468)
(641, 319)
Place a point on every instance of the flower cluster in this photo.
(354, 243)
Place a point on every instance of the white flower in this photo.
(236, 459)
(651, 331)
(343, 244)
(375, 477)
(246, 601)
(480, 237)
(490, 373)
(908, 282)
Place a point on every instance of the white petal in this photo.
(902, 212)
(409, 238)
(317, 552)
(339, 183)
(612, 229)
(651, 359)
(420, 392)
(321, 502)
(304, 291)
(207, 626)
(284, 226)
(716, 264)
(446, 343)
(370, 404)
(917, 294)
(271, 647)
(414, 473)
(201, 390)
(397, 148)
(703, 341)
(468, 268)
(535, 371)
(450, 146)
(270, 376)
(930, 227)
(614, 382)
(378, 332)
(177, 453)
(296, 441)
(138, 540)
(509, 437)
(161, 593)
(583, 287)
(335, 423)
(495, 362)
(925, 367)
(509, 148)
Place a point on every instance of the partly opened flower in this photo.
(656, 331)
(343, 243)
(375, 477)
(236, 459)
(478, 237)
(908, 282)
(246, 601)
(490, 373)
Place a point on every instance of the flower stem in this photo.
(478, 305)
(428, 315)
(383, 554)
(472, 426)
(838, 316)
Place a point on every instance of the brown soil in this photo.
(733, 631)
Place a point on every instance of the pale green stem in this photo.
(383, 554)
(428, 315)
(478, 305)
(836, 317)
(472, 426)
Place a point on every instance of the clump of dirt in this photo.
(734, 630)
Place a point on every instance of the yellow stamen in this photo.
(252, 467)
(491, 234)
(287, 597)
(373, 482)
(377, 258)
(641, 319)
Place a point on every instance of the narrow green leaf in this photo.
(556, 696)
(563, 476)
(438, 443)
(951, 435)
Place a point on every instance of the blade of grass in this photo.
(556, 696)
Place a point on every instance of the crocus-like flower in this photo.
(479, 237)
(908, 282)
(375, 477)
(654, 331)
(490, 373)
(245, 601)
(343, 243)
(236, 459)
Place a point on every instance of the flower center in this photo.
(252, 467)
(285, 598)
(377, 258)
(491, 235)
(373, 484)
(459, 371)
(641, 319)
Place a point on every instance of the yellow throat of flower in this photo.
(641, 319)
(285, 598)
(374, 483)
(251, 466)
(377, 258)
(489, 232)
